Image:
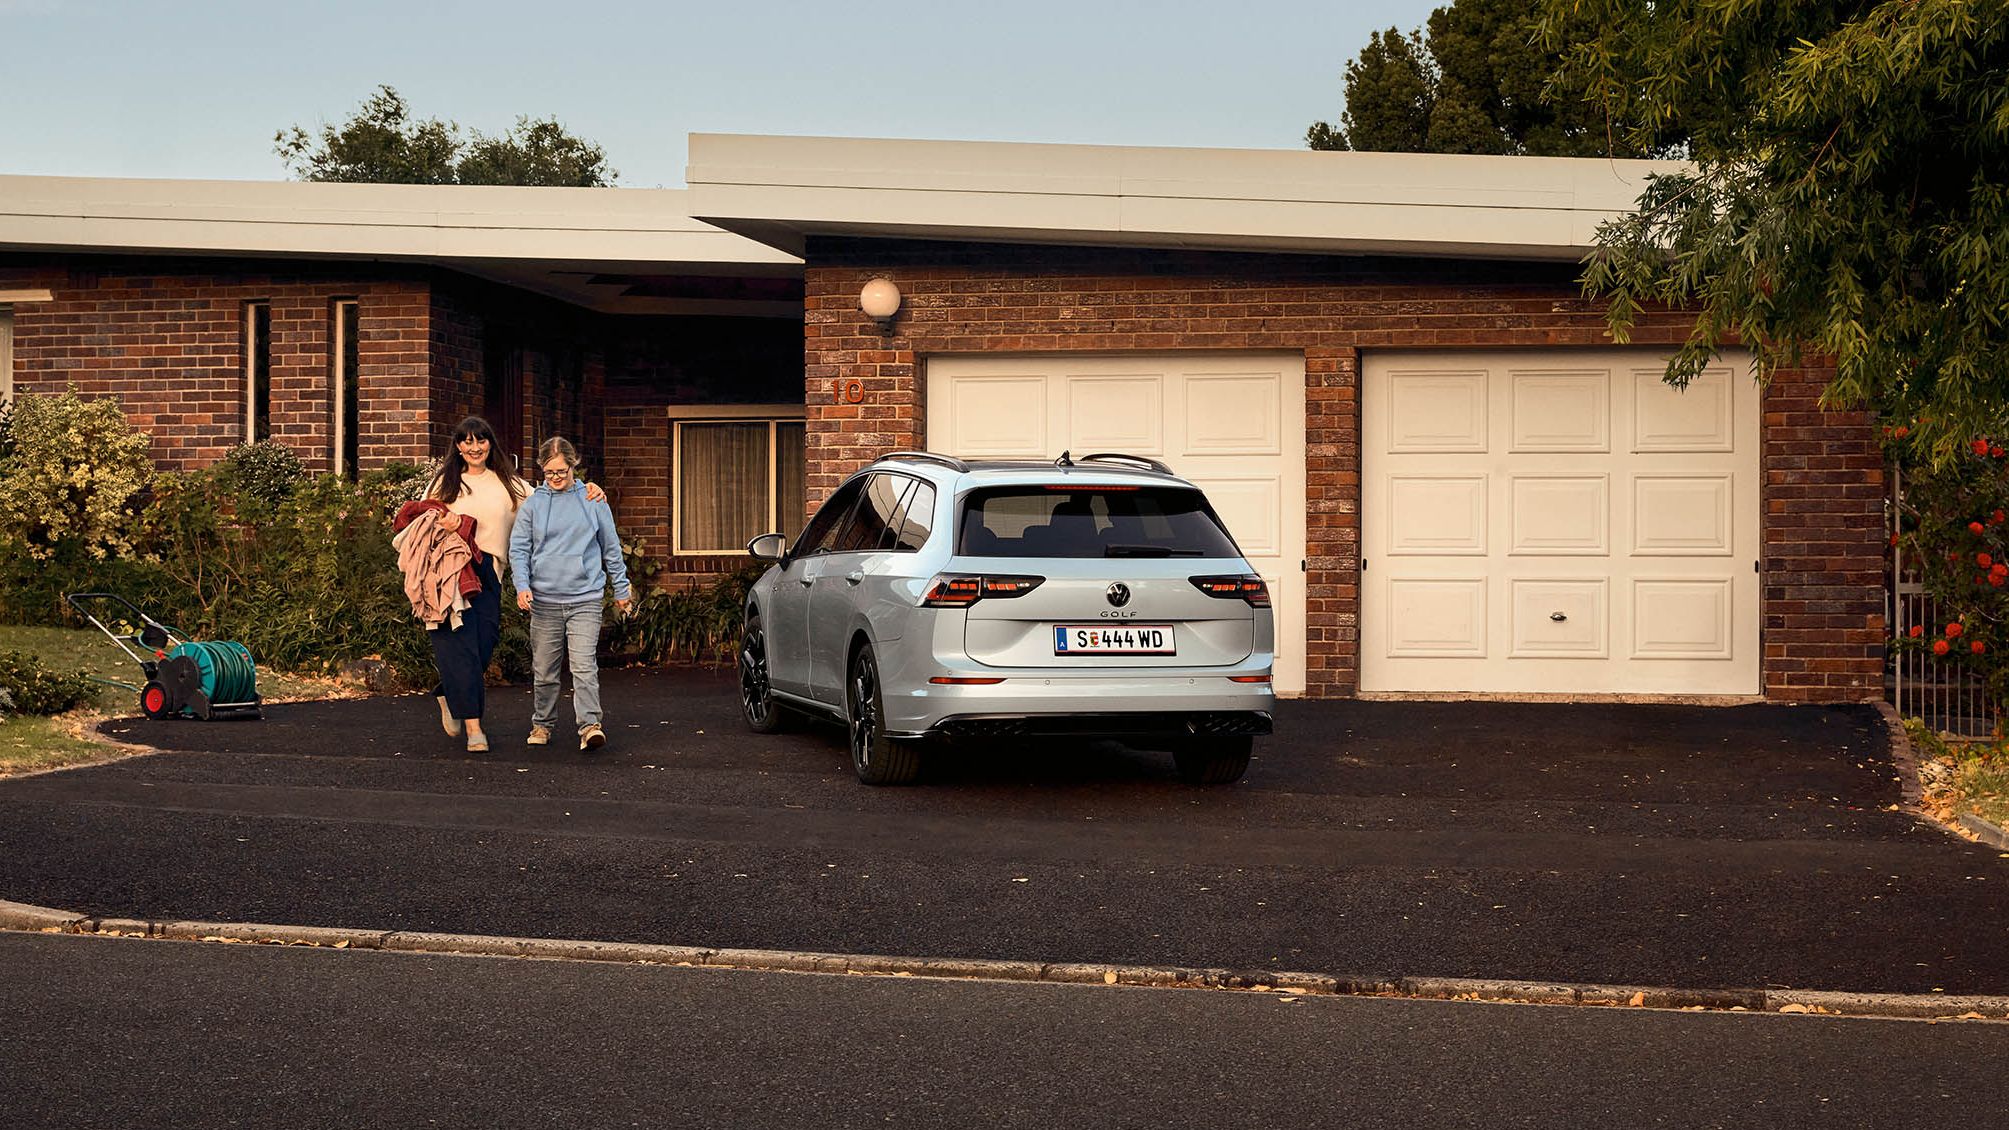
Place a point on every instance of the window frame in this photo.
(770, 414)
(257, 368)
(10, 300)
(339, 381)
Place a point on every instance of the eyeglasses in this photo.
(556, 472)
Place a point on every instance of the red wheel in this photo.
(153, 700)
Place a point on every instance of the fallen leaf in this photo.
(1792, 1008)
(1638, 999)
(1109, 978)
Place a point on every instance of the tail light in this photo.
(960, 590)
(1242, 586)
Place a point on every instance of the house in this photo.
(1380, 366)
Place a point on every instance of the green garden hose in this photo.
(228, 674)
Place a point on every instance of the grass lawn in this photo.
(29, 743)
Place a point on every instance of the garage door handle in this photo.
(854, 577)
(1557, 617)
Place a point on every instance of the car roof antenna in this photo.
(1063, 461)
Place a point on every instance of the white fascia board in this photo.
(1540, 207)
(410, 222)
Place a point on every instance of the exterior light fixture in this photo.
(880, 300)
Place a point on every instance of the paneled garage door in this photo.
(1558, 522)
(1233, 423)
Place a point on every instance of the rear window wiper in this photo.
(1148, 551)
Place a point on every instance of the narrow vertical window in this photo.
(6, 355)
(342, 383)
(257, 371)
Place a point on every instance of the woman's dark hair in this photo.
(500, 461)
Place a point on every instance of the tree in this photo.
(1848, 197)
(382, 144)
(1476, 84)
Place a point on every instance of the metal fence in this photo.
(1939, 693)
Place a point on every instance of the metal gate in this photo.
(1940, 693)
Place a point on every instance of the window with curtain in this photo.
(736, 479)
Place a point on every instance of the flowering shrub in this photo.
(73, 478)
(1953, 530)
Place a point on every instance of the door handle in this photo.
(805, 580)
(854, 576)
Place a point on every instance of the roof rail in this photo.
(1133, 460)
(929, 457)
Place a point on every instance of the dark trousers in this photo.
(462, 654)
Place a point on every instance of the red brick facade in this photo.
(1822, 617)
(167, 337)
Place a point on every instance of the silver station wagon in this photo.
(932, 600)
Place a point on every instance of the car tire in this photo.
(756, 693)
(877, 759)
(1213, 761)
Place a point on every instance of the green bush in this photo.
(31, 688)
(74, 479)
(690, 624)
(267, 471)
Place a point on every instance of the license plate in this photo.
(1108, 639)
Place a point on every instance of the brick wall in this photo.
(1824, 491)
(167, 338)
(968, 298)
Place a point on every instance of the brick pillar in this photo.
(843, 346)
(1332, 521)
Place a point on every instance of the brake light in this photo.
(960, 681)
(960, 590)
(1088, 486)
(1245, 586)
(1248, 678)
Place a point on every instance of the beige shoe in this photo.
(592, 737)
(447, 721)
(539, 735)
(477, 743)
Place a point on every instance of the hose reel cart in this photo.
(195, 678)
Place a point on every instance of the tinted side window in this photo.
(1037, 521)
(870, 524)
(822, 530)
(917, 519)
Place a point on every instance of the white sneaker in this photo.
(539, 735)
(447, 721)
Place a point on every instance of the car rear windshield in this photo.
(1091, 521)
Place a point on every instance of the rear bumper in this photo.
(1101, 704)
(1139, 724)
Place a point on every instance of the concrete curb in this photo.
(38, 919)
(1987, 831)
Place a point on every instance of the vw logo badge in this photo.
(1119, 595)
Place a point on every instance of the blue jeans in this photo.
(557, 630)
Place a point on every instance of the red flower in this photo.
(1996, 579)
(1999, 517)
(1954, 629)
(1976, 528)
(1976, 647)
(1983, 559)
(1980, 447)
(1939, 647)
(1901, 431)
(1917, 630)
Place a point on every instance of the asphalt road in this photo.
(1652, 845)
(123, 1032)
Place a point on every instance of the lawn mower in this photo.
(184, 677)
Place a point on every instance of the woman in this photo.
(477, 479)
(563, 552)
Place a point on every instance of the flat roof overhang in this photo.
(607, 249)
(781, 190)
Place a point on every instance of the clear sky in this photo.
(197, 88)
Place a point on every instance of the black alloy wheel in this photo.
(756, 694)
(877, 759)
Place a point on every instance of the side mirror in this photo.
(768, 547)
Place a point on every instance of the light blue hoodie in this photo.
(563, 549)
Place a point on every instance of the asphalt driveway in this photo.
(1656, 845)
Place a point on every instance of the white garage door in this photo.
(1232, 423)
(1558, 522)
